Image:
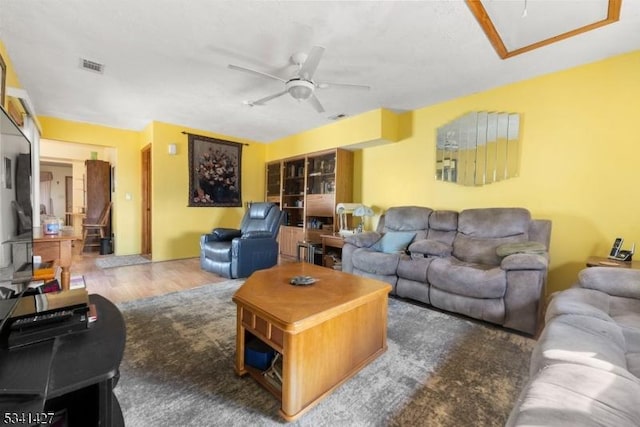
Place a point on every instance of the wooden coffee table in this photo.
(326, 332)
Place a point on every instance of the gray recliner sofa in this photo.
(490, 264)
(585, 367)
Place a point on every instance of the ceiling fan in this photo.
(301, 86)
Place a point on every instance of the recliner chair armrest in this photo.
(239, 244)
(222, 234)
(257, 235)
(205, 238)
(524, 261)
(366, 239)
(430, 247)
(249, 255)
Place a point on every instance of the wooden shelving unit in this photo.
(310, 188)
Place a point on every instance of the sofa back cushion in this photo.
(481, 231)
(443, 226)
(407, 218)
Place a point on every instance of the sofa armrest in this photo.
(430, 247)
(523, 261)
(622, 282)
(365, 239)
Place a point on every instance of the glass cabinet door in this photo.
(321, 174)
(273, 182)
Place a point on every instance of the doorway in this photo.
(146, 201)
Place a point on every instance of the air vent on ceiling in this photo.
(337, 116)
(96, 67)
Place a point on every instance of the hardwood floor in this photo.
(127, 283)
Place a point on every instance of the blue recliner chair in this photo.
(234, 253)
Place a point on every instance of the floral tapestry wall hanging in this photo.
(214, 172)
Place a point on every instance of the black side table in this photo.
(75, 372)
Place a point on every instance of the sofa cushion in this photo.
(489, 309)
(494, 222)
(462, 278)
(585, 302)
(577, 395)
(443, 220)
(414, 269)
(394, 242)
(407, 218)
(582, 340)
(621, 282)
(374, 262)
(428, 247)
(481, 250)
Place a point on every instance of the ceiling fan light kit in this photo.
(300, 86)
(300, 89)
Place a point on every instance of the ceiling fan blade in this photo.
(315, 103)
(267, 98)
(257, 73)
(328, 85)
(308, 69)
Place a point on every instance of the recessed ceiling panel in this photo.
(521, 23)
(518, 26)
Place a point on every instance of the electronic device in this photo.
(624, 255)
(615, 249)
(618, 254)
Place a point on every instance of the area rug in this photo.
(121, 261)
(439, 370)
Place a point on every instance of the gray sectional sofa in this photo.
(585, 368)
(490, 264)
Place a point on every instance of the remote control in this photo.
(41, 319)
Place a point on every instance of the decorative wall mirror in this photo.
(478, 148)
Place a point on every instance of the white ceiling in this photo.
(166, 60)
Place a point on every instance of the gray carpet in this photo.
(439, 370)
(112, 261)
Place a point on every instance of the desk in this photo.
(601, 261)
(76, 371)
(58, 248)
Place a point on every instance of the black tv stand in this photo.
(74, 373)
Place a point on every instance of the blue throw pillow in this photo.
(394, 241)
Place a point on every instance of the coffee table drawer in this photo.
(263, 329)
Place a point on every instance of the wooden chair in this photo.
(97, 229)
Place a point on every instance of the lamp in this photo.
(362, 211)
(344, 209)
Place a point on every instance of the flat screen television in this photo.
(16, 237)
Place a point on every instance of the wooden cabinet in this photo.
(310, 188)
(288, 240)
(98, 195)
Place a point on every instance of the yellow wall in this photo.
(177, 227)
(12, 77)
(126, 213)
(580, 150)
